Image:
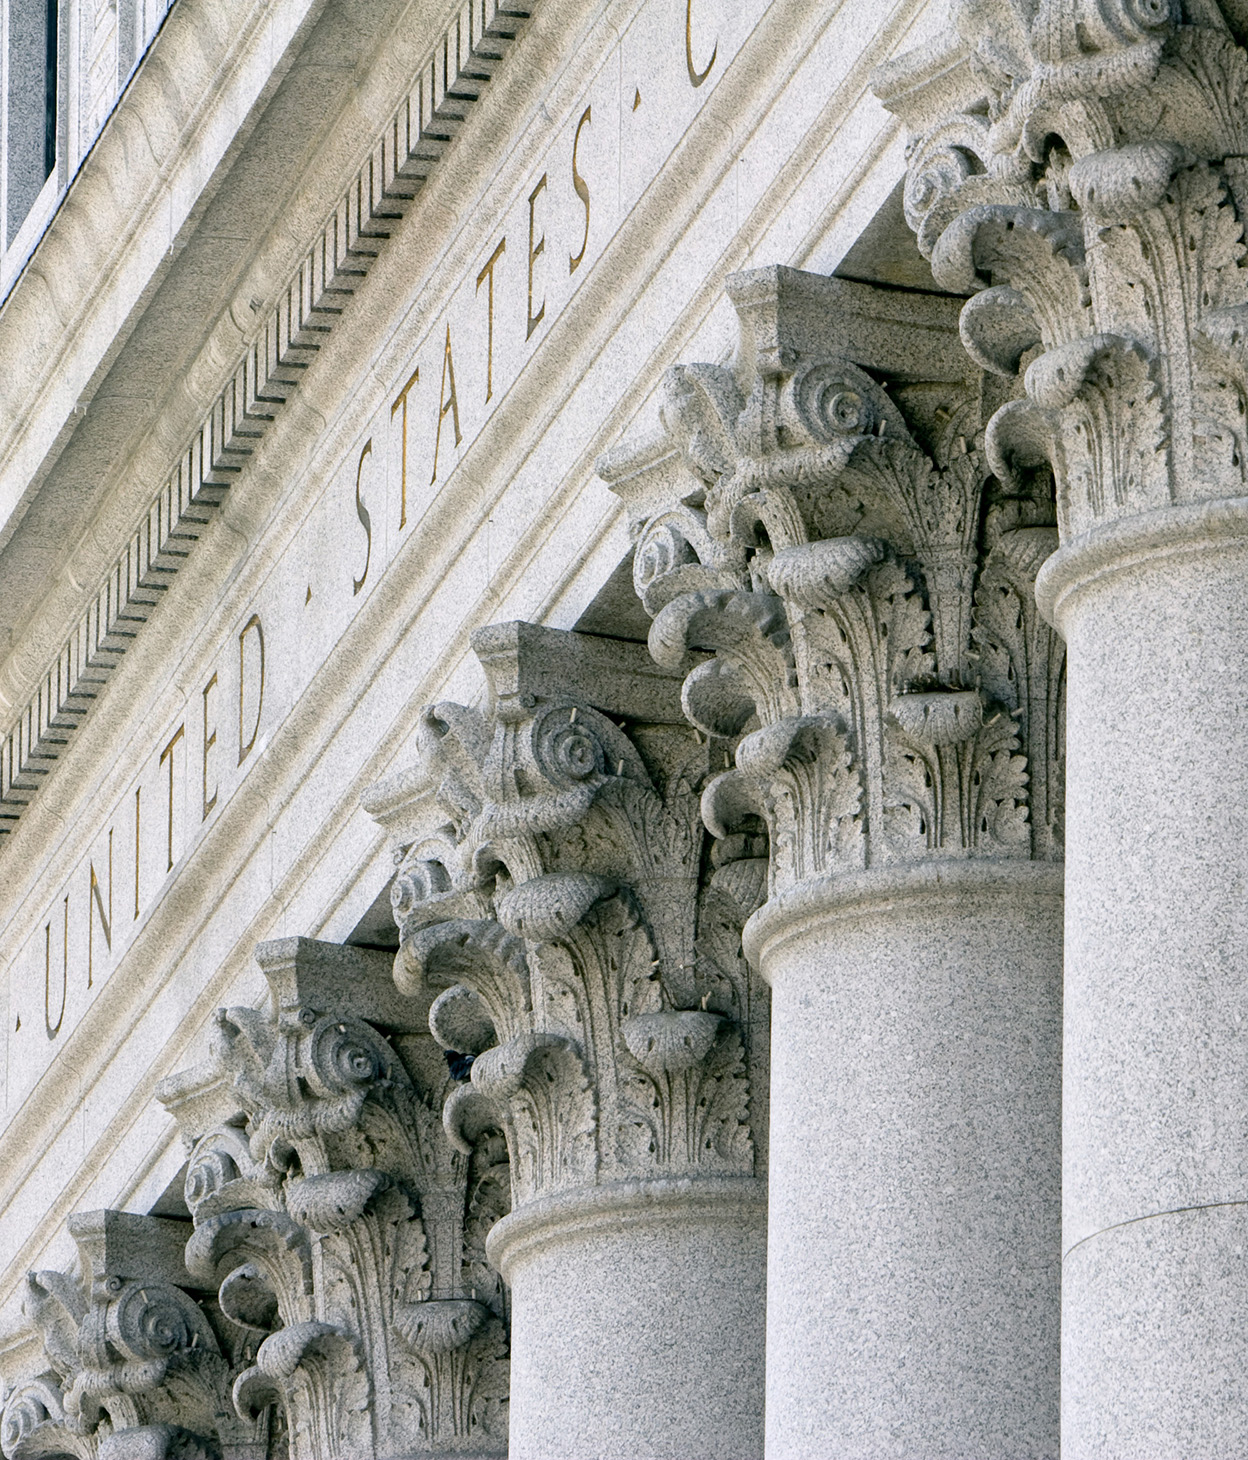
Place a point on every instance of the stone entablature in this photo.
(444, 89)
(825, 520)
(558, 227)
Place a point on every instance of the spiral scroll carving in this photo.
(152, 1322)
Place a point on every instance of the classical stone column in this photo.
(139, 1366)
(557, 892)
(339, 1229)
(1087, 191)
(848, 587)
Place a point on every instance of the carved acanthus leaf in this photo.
(589, 867)
(851, 664)
(139, 1367)
(1129, 135)
(362, 1226)
(315, 1373)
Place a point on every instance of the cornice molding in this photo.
(383, 190)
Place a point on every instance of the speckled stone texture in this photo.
(637, 1322)
(1153, 1351)
(913, 1256)
(1156, 1061)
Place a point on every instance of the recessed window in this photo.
(31, 98)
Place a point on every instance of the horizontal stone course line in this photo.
(401, 160)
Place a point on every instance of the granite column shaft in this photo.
(637, 1321)
(914, 1207)
(1155, 1130)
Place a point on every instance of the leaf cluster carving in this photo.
(330, 1214)
(1123, 143)
(842, 595)
(136, 1368)
(590, 881)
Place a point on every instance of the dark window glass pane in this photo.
(49, 90)
(31, 104)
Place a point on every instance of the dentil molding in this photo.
(402, 158)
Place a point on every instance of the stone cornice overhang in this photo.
(277, 346)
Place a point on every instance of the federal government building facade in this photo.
(624, 729)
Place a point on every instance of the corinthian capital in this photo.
(139, 1365)
(335, 1222)
(1079, 170)
(549, 893)
(821, 518)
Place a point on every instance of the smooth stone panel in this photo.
(26, 81)
(913, 1257)
(637, 1321)
(1160, 1372)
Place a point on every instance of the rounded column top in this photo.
(1177, 532)
(825, 900)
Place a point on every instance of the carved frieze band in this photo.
(449, 82)
(1082, 178)
(831, 560)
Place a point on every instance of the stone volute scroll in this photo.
(1079, 172)
(557, 894)
(140, 1360)
(337, 1224)
(864, 584)
(844, 578)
